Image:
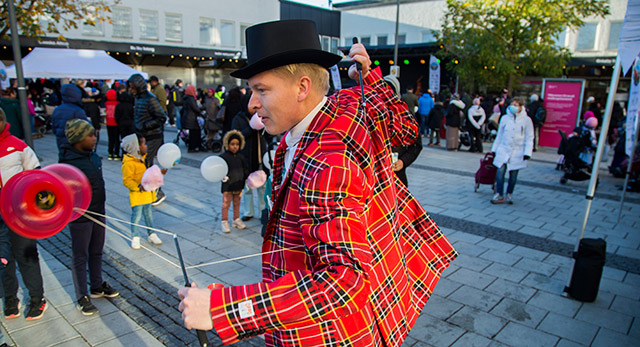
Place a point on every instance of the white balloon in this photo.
(214, 168)
(265, 158)
(169, 155)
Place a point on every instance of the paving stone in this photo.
(472, 278)
(631, 279)
(476, 321)
(506, 272)
(529, 253)
(539, 232)
(470, 339)
(471, 263)
(635, 329)
(440, 307)
(109, 326)
(519, 335)
(555, 303)
(567, 343)
(543, 283)
(56, 330)
(74, 342)
(608, 319)
(135, 338)
(608, 338)
(469, 249)
(519, 312)
(511, 290)
(445, 287)
(568, 328)
(535, 266)
(496, 245)
(603, 300)
(475, 298)
(500, 257)
(435, 331)
(618, 288)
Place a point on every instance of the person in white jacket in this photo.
(513, 147)
(476, 116)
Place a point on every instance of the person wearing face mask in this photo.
(512, 148)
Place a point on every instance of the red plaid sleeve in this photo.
(388, 111)
(333, 225)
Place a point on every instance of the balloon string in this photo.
(169, 233)
(127, 238)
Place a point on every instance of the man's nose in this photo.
(254, 103)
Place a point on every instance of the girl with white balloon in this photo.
(234, 181)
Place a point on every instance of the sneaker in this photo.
(246, 218)
(105, 291)
(36, 309)
(237, 223)
(116, 157)
(11, 307)
(160, 199)
(86, 307)
(225, 227)
(154, 239)
(110, 157)
(135, 243)
(509, 199)
(497, 199)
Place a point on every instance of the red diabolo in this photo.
(39, 203)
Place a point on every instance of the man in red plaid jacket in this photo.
(350, 257)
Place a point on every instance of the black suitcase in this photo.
(587, 270)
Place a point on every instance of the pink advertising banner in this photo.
(562, 100)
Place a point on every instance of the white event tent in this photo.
(72, 63)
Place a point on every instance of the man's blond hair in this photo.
(319, 76)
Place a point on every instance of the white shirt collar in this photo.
(295, 134)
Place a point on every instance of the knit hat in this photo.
(77, 129)
(230, 135)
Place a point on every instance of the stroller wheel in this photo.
(563, 180)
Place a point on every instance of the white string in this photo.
(124, 221)
(127, 238)
(169, 233)
(240, 258)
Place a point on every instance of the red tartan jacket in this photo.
(353, 256)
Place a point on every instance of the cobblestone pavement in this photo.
(505, 289)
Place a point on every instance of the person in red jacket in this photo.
(350, 256)
(112, 124)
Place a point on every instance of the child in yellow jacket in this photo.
(133, 167)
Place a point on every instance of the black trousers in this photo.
(24, 256)
(152, 150)
(87, 241)
(476, 139)
(114, 139)
(194, 139)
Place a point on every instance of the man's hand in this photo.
(398, 165)
(195, 309)
(359, 54)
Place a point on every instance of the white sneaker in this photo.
(509, 199)
(135, 243)
(154, 239)
(225, 227)
(237, 223)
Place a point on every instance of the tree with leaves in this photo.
(39, 17)
(494, 42)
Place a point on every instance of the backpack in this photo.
(541, 115)
(177, 97)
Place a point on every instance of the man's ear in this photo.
(304, 88)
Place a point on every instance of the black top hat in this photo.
(275, 44)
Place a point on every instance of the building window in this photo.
(92, 30)
(382, 40)
(207, 31)
(587, 37)
(428, 36)
(173, 27)
(348, 41)
(148, 25)
(334, 45)
(559, 40)
(365, 40)
(227, 34)
(614, 35)
(243, 34)
(402, 39)
(121, 19)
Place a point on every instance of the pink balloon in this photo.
(152, 178)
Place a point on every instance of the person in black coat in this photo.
(256, 146)
(87, 236)
(189, 116)
(435, 123)
(232, 105)
(233, 184)
(92, 109)
(124, 112)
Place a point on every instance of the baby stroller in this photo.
(486, 174)
(213, 138)
(574, 167)
(183, 134)
(464, 138)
